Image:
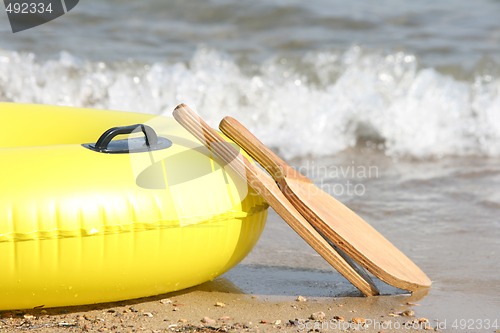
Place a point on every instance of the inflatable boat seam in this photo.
(105, 229)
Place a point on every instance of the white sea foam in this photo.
(320, 104)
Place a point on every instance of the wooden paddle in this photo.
(332, 219)
(267, 188)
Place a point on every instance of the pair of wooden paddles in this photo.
(338, 234)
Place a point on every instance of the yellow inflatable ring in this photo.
(82, 222)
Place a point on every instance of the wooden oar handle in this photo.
(259, 152)
(203, 132)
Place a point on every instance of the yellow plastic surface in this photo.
(80, 227)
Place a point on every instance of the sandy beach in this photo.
(211, 307)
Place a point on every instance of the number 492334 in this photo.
(28, 8)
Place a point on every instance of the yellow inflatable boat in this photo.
(93, 209)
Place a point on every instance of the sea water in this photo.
(392, 107)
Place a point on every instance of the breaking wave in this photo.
(319, 104)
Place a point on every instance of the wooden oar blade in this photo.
(356, 237)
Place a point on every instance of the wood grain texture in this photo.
(331, 218)
(267, 188)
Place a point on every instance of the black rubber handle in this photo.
(150, 135)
